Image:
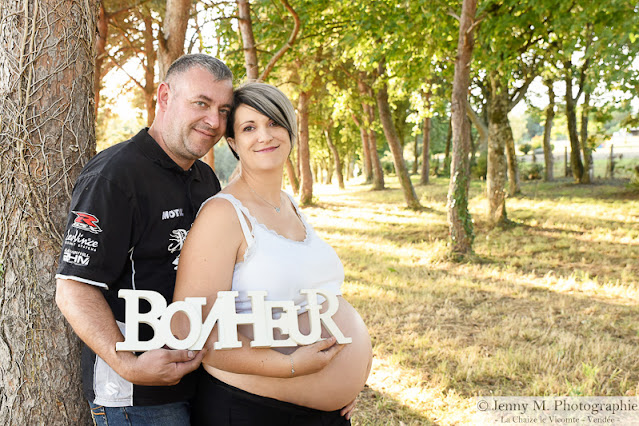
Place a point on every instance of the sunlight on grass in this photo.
(550, 308)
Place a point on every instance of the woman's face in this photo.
(260, 143)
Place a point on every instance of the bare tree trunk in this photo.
(378, 171)
(101, 38)
(449, 139)
(47, 59)
(550, 115)
(496, 173)
(333, 148)
(459, 220)
(585, 147)
(511, 157)
(306, 187)
(171, 38)
(366, 155)
(425, 176)
(149, 68)
(292, 177)
(248, 40)
(571, 116)
(415, 155)
(395, 146)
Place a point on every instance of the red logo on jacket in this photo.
(86, 222)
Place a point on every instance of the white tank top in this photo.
(282, 266)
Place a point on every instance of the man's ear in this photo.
(164, 91)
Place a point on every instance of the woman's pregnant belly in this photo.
(329, 389)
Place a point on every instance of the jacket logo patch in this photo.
(86, 222)
(79, 240)
(172, 214)
(176, 241)
(75, 257)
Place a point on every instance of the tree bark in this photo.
(248, 40)
(395, 146)
(101, 38)
(415, 155)
(511, 157)
(306, 186)
(171, 38)
(496, 173)
(585, 146)
(149, 69)
(47, 59)
(571, 116)
(425, 176)
(378, 171)
(292, 177)
(549, 160)
(459, 220)
(366, 156)
(336, 159)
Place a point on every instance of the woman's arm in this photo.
(212, 247)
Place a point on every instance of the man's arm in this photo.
(87, 311)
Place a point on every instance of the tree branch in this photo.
(287, 45)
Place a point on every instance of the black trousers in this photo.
(219, 404)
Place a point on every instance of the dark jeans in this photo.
(219, 404)
(175, 414)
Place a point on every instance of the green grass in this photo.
(548, 308)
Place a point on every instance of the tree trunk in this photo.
(292, 177)
(149, 69)
(248, 40)
(571, 116)
(550, 115)
(171, 38)
(496, 173)
(415, 155)
(585, 146)
(47, 59)
(459, 220)
(101, 38)
(511, 157)
(306, 187)
(425, 176)
(366, 155)
(336, 160)
(395, 146)
(449, 139)
(378, 171)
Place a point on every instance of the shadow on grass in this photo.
(375, 408)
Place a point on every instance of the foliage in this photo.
(532, 171)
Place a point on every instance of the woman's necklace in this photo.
(277, 209)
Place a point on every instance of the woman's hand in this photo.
(312, 358)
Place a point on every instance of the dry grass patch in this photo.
(550, 309)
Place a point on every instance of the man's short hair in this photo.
(217, 68)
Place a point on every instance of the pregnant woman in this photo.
(252, 236)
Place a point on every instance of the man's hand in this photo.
(347, 412)
(312, 358)
(162, 367)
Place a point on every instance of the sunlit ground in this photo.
(550, 307)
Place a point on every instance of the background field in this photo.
(549, 307)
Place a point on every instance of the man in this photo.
(131, 209)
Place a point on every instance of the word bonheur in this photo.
(223, 313)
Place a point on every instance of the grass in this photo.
(549, 308)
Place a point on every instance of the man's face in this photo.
(195, 118)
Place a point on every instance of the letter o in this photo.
(192, 307)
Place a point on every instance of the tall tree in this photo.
(394, 142)
(459, 220)
(335, 153)
(549, 161)
(47, 54)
